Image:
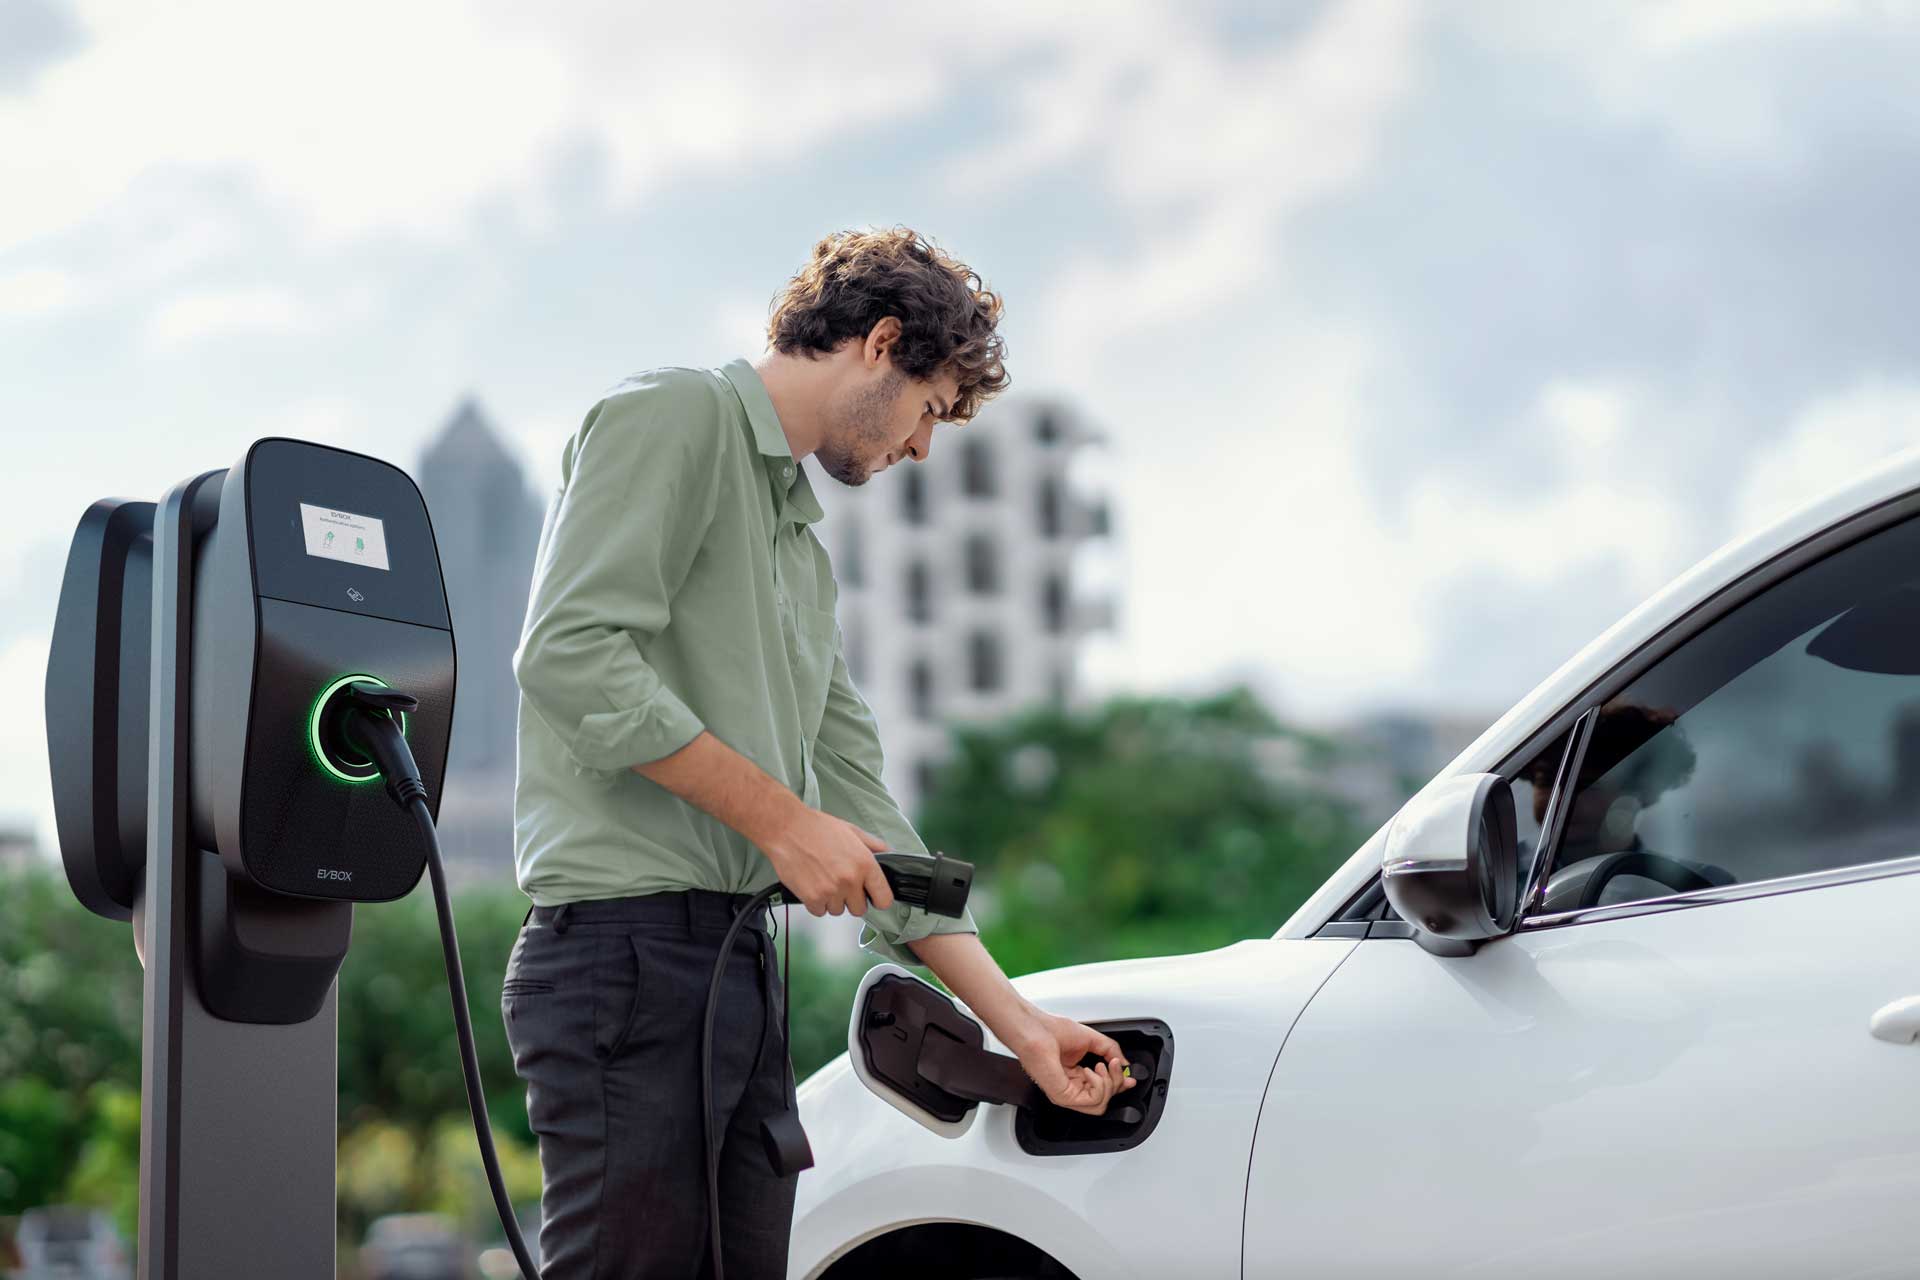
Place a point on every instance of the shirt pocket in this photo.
(814, 638)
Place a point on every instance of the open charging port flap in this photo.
(917, 1048)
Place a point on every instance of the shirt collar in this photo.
(799, 500)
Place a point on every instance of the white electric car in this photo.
(1630, 988)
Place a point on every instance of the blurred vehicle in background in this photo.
(66, 1242)
(415, 1246)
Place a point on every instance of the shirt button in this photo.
(786, 472)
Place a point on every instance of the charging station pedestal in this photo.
(203, 649)
(237, 1119)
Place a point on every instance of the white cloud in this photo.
(1588, 416)
(740, 325)
(194, 316)
(34, 291)
(373, 117)
(1662, 25)
(1267, 550)
(1832, 441)
(1210, 149)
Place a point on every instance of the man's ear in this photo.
(881, 338)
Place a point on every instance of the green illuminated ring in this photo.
(319, 707)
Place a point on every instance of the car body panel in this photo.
(1168, 1206)
(1690, 1092)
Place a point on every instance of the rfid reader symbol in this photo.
(354, 596)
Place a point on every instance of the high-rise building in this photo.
(487, 525)
(959, 598)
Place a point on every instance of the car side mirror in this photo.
(1451, 866)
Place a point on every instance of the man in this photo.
(689, 735)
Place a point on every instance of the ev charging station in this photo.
(207, 651)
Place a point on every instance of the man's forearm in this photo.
(712, 776)
(970, 972)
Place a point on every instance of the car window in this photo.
(1782, 739)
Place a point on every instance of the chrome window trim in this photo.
(1728, 893)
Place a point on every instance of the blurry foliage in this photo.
(1147, 826)
(69, 1034)
(397, 1056)
(390, 1168)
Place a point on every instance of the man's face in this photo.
(882, 418)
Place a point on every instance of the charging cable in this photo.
(370, 726)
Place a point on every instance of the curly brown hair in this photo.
(947, 316)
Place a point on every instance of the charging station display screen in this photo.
(344, 536)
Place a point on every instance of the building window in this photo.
(1050, 507)
(983, 565)
(913, 497)
(983, 662)
(1047, 429)
(920, 690)
(1053, 603)
(919, 593)
(851, 563)
(976, 469)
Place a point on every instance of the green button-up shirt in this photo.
(679, 586)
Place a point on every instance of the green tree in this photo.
(106, 1168)
(398, 1061)
(1147, 826)
(69, 1031)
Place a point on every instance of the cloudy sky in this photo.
(1429, 339)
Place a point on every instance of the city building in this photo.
(959, 597)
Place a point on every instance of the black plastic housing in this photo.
(273, 627)
(97, 696)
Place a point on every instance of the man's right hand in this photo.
(828, 862)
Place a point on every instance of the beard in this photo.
(860, 431)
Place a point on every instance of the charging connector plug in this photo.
(372, 728)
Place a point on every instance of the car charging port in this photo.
(915, 1041)
(1048, 1130)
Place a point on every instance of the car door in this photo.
(1692, 1056)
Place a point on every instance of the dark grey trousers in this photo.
(603, 1004)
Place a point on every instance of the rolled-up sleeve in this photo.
(637, 495)
(847, 762)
